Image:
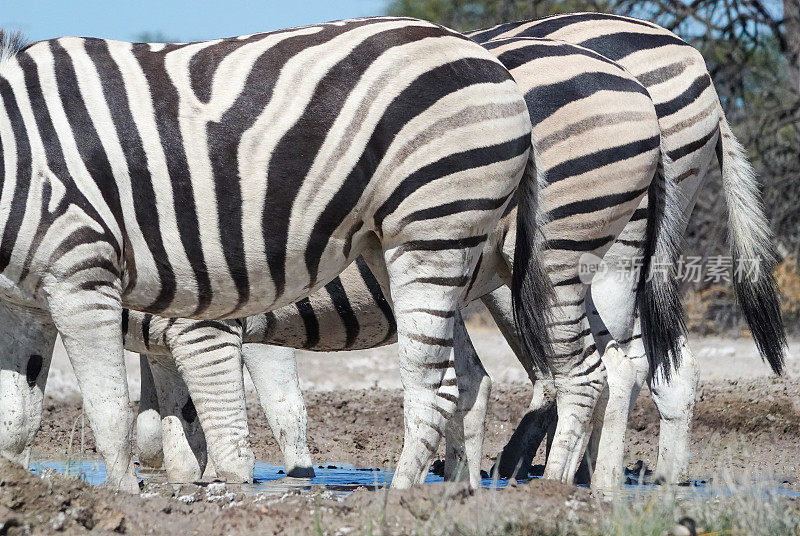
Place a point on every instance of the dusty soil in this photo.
(742, 427)
(55, 504)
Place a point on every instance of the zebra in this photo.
(589, 200)
(226, 178)
(694, 131)
(346, 318)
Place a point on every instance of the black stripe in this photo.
(484, 34)
(165, 107)
(594, 204)
(454, 207)
(377, 296)
(691, 147)
(603, 157)
(544, 101)
(579, 245)
(125, 320)
(549, 25)
(310, 321)
(639, 214)
(423, 92)
(438, 244)
(662, 74)
(622, 44)
(689, 95)
(454, 163)
(458, 281)
(146, 330)
(533, 51)
(342, 305)
(144, 205)
(19, 199)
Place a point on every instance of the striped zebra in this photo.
(345, 317)
(578, 101)
(694, 131)
(227, 178)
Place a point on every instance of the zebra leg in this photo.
(273, 370)
(613, 407)
(425, 305)
(518, 453)
(88, 320)
(209, 358)
(26, 343)
(465, 431)
(579, 377)
(184, 444)
(520, 449)
(148, 420)
(675, 402)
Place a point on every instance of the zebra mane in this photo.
(11, 43)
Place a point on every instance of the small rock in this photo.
(113, 522)
(58, 521)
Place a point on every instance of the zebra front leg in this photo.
(465, 431)
(675, 402)
(208, 356)
(148, 420)
(26, 348)
(89, 320)
(273, 370)
(183, 441)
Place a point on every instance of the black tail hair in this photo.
(658, 294)
(531, 290)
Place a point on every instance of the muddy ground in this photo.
(742, 428)
(747, 429)
(740, 425)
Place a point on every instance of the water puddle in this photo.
(345, 478)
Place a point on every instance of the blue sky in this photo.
(182, 19)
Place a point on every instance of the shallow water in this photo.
(346, 478)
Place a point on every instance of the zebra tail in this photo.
(531, 290)
(752, 242)
(657, 293)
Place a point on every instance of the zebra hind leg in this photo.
(425, 304)
(208, 356)
(675, 401)
(184, 444)
(579, 377)
(465, 431)
(519, 451)
(26, 348)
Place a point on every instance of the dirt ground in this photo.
(747, 428)
(740, 425)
